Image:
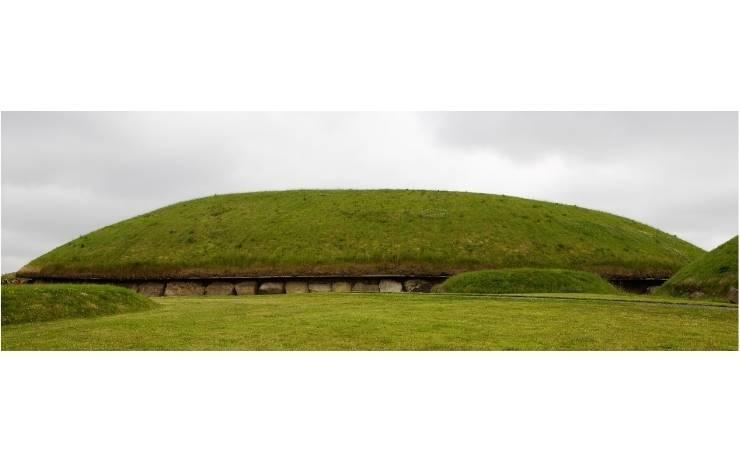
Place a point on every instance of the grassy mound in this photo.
(527, 281)
(364, 232)
(713, 273)
(46, 302)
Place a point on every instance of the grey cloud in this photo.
(66, 174)
(590, 135)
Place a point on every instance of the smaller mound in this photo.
(713, 274)
(47, 302)
(527, 280)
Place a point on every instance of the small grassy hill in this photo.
(46, 302)
(713, 273)
(353, 232)
(527, 280)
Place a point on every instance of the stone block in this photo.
(341, 286)
(220, 288)
(177, 288)
(245, 288)
(269, 288)
(365, 287)
(296, 287)
(389, 285)
(319, 286)
(417, 285)
(732, 295)
(151, 289)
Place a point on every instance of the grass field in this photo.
(365, 232)
(527, 280)
(713, 273)
(394, 322)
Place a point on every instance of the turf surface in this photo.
(712, 274)
(394, 322)
(45, 302)
(527, 280)
(365, 232)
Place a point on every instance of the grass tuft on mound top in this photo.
(712, 274)
(356, 232)
(47, 302)
(527, 280)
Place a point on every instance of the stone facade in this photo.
(151, 289)
(417, 285)
(270, 288)
(245, 288)
(220, 288)
(389, 285)
(319, 287)
(365, 287)
(289, 286)
(177, 288)
(296, 287)
(341, 286)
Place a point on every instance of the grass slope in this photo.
(713, 273)
(527, 280)
(390, 322)
(365, 232)
(47, 302)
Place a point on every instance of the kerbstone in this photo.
(389, 285)
(296, 287)
(341, 286)
(245, 288)
(270, 288)
(732, 295)
(319, 287)
(220, 288)
(417, 285)
(151, 289)
(365, 287)
(177, 288)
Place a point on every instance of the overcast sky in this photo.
(66, 174)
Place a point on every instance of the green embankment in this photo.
(527, 280)
(365, 232)
(393, 322)
(712, 274)
(46, 302)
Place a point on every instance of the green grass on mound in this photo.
(47, 302)
(393, 322)
(527, 280)
(713, 273)
(365, 232)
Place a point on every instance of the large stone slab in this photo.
(268, 288)
(245, 288)
(177, 288)
(732, 295)
(151, 289)
(417, 285)
(220, 288)
(319, 286)
(341, 286)
(296, 287)
(365, 287)
(389, 285)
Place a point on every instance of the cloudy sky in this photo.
(66, 174)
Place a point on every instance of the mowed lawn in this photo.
(392, 322)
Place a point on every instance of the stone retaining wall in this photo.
(268, 287)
